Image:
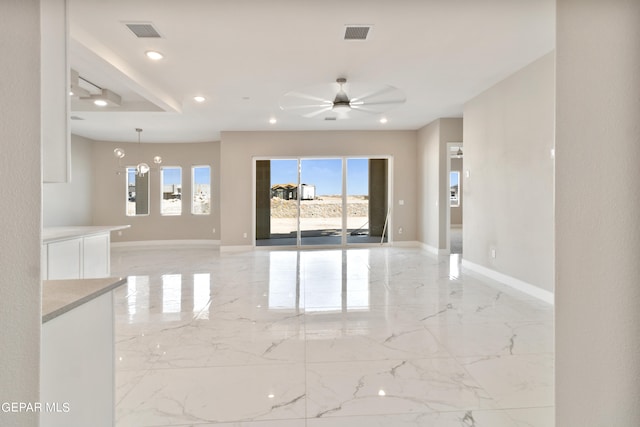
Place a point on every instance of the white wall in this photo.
(432, 155)
(109, 191)
(508, 197)
(428, 149)
(70, 203)
(597, 213)
(238, 149)
(20, 192)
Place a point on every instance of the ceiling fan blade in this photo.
(300, 95)
(364, 109)
(318, 112)
(375, 94)
(302, 107)
(390, 102)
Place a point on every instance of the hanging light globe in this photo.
(118, 152)
(142, 168)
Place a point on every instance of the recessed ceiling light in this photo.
(100, 102)
(199, 98)
(383, 120)
(273, 121)
(154, 55)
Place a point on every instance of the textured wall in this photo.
(508, 197)
(428, 148)
(433, 155)
(597, 205)
(70, 203)
(239, 148)
(109, 191)
(20, 192)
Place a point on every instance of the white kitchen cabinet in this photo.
(77, 252)
(64, 259)
(77, 366)
(96, 256)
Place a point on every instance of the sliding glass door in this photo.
(321, 201)
(277, 202)
(367, 200)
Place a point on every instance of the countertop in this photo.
(60, 296)
(51, 234)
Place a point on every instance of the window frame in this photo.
(162, 193)
(128, 170)
(193, 189)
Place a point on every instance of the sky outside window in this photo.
(325, 174)
(202, 175)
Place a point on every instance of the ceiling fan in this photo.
(342, 100)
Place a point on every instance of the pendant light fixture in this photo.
(141, 168)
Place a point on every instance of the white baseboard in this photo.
(236, 248)
(527, 288)
(406, 244)
(172, 243)
(433, 250)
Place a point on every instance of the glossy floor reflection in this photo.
(359, 337)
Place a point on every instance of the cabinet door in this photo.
(96, 256)
(64, 259)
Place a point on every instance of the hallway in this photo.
(380, 336)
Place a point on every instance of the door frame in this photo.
(448, 214)
(344, 158)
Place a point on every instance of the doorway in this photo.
(455, 178)
(316, 202)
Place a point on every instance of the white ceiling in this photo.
(244, 55)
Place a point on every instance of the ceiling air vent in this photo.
(76, 118)
(330, 118)
(143, 30)
(356, 32)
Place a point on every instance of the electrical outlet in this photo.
(214, 231)
(493, 252)
(400, 230)
(244, 235)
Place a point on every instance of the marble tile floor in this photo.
(379, 336)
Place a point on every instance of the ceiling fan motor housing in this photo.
(341, 101)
